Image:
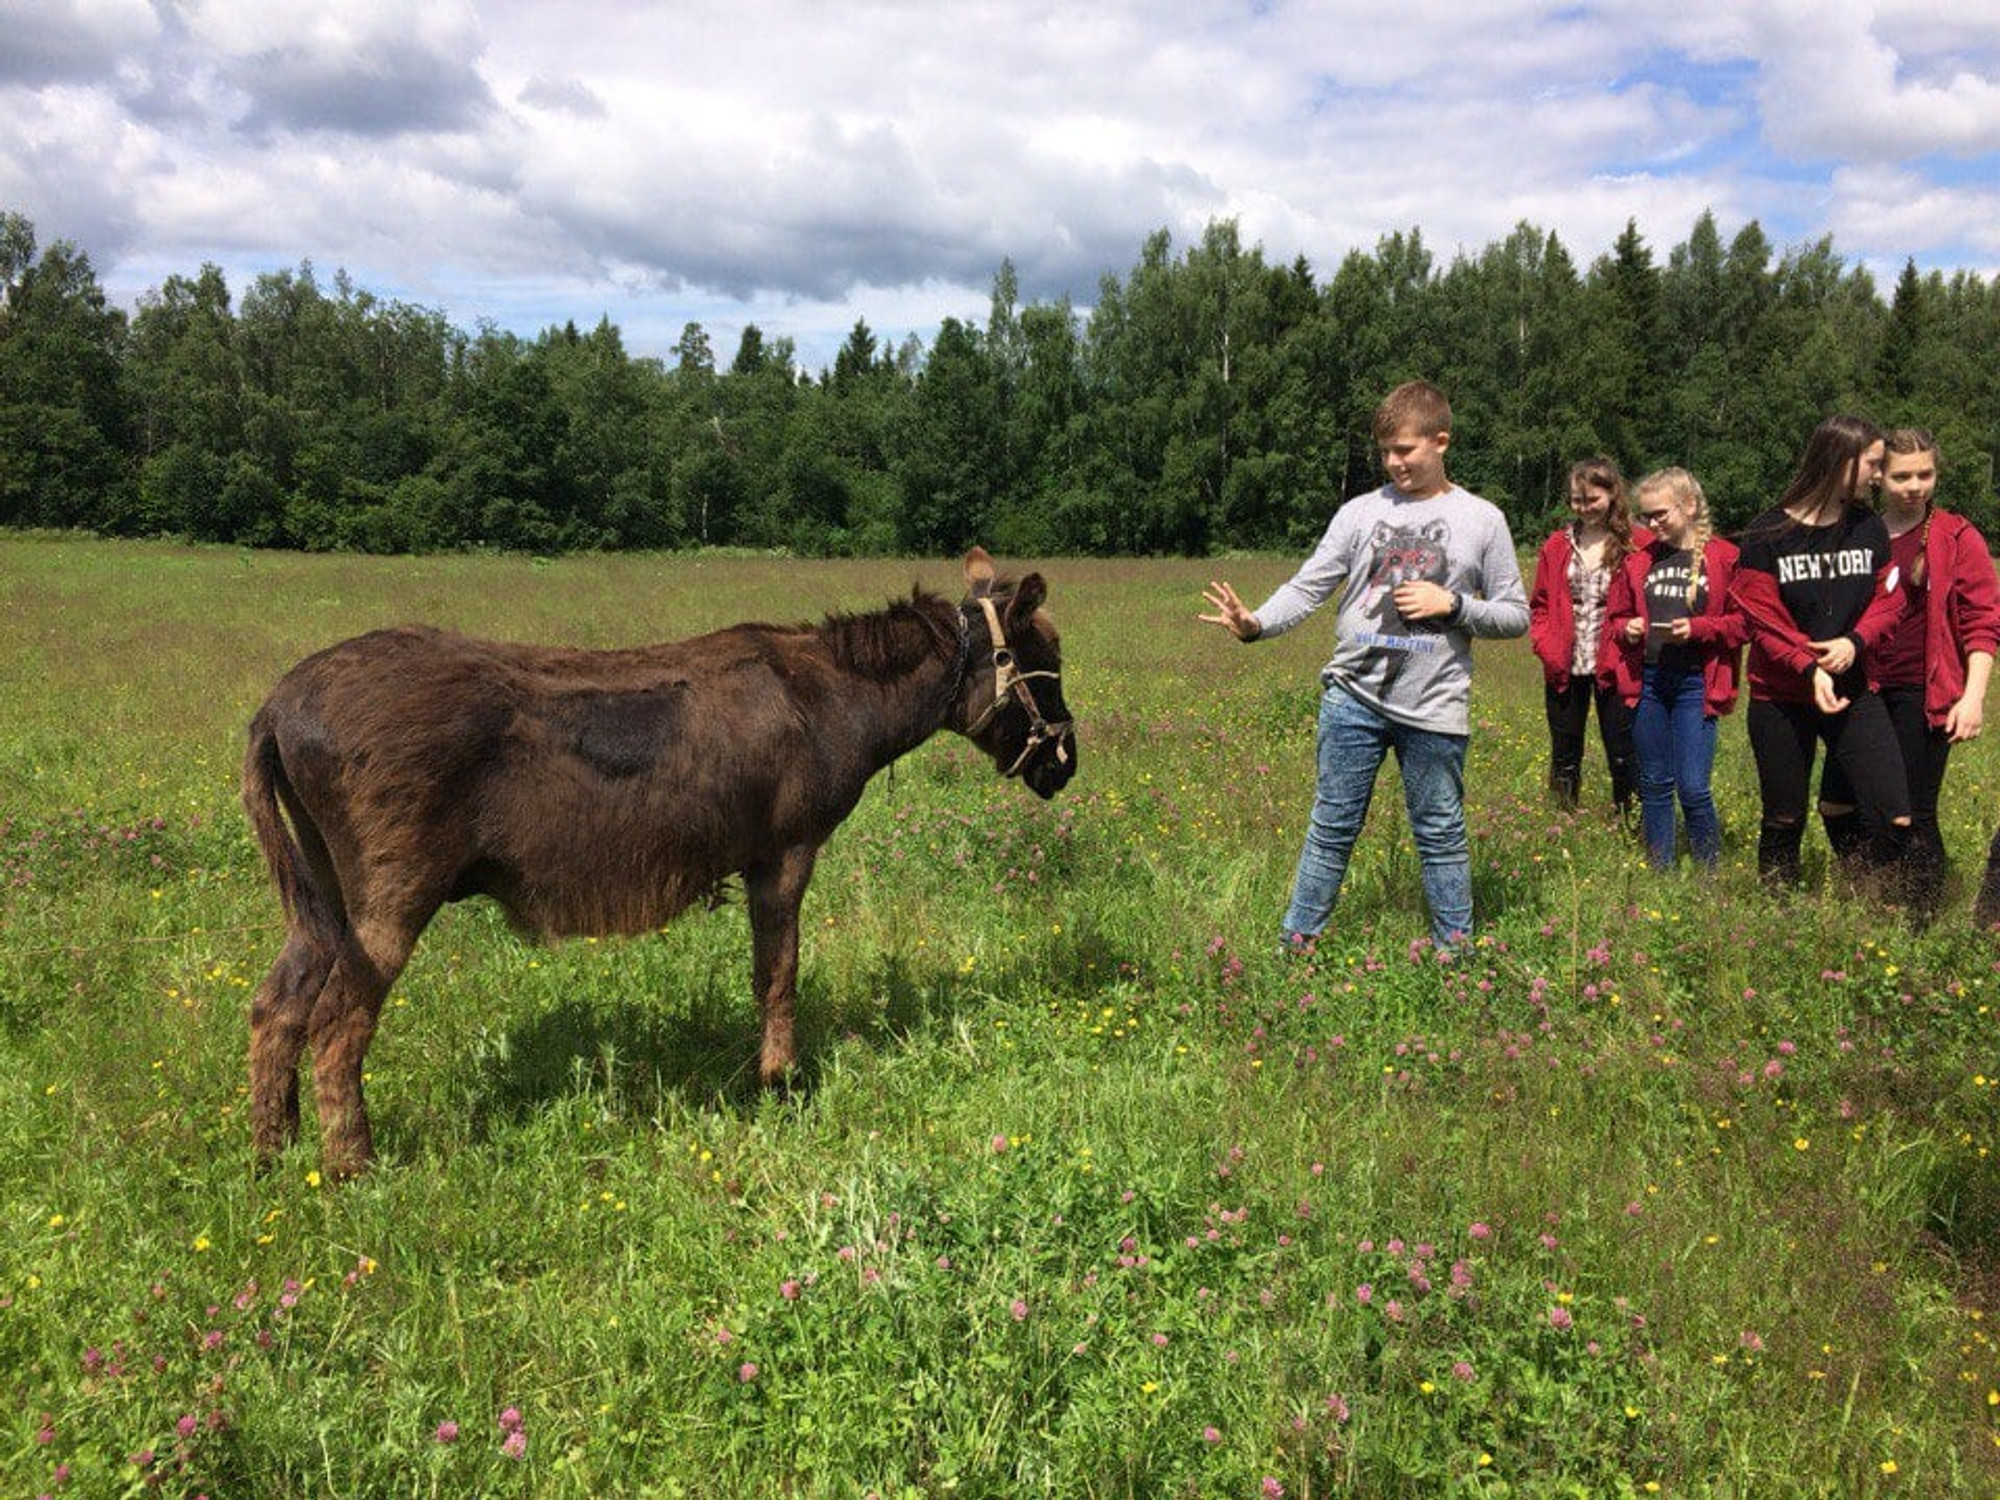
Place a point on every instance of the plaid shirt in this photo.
(1588, 589)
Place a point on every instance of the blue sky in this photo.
(800, 165)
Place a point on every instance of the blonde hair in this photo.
(1415, 403)
(1679, 485)
(1605, 473)
(1917, 440)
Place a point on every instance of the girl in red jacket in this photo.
(1820, 594)
(1932, 670)
(1573, 576)
(1671, 645)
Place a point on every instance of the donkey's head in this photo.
(1012, 700)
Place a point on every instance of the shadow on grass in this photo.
(634, 1056)
(702, 1052)
(1962, 1204)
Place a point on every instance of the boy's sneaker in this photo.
(1300, 945)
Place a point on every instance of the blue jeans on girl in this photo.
(1353, 739)
(1675, 741)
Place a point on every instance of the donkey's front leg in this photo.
(775, 889)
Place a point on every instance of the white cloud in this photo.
(368, 68)
(242, 29)
(1879, 212)
(77, 167)
(1840, 84)
(801, 165)
(49, 41)
(563, 95)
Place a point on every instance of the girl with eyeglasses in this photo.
(1573, 574)
(1820, 593)
(1672, 644)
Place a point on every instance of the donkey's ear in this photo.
(1028, 596)
(978, 573)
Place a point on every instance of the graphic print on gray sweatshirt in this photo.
(1415, 672)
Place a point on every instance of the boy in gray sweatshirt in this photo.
(1425, 566)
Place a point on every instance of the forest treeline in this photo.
(1207, 400)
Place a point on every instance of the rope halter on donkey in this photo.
(1009, 681)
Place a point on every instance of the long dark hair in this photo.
(1826, 471)
(1605, 472)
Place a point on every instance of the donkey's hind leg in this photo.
(278, 1016)
(339, 1029)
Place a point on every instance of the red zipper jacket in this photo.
(1551, 611)
(1717, 633)
(1961, 609)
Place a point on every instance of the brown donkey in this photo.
(596, 792)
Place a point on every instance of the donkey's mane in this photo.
(889, 643)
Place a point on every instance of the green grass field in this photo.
(1672, 1188)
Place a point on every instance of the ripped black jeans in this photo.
(1785, 737)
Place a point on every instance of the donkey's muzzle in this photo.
(1049, 771)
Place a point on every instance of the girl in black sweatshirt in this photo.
(1818, 591)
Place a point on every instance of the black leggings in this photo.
(1861, 741)
(1926, 751)
(1568, 710)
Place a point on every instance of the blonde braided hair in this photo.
(1680, 486)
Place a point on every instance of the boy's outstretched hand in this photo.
(1229, 612)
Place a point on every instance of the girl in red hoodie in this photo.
(1671, 646)
(1573, 576)
(1820, 594)
(1932, 671)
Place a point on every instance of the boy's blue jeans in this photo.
(1353, 739)
(1675, 740)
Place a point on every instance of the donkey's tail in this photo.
(313, 910)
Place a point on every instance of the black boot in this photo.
(1923, 877)
(1778, 854)
(1845, 835)
(1625, 794)
(1986, 905)
(1886, 856)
